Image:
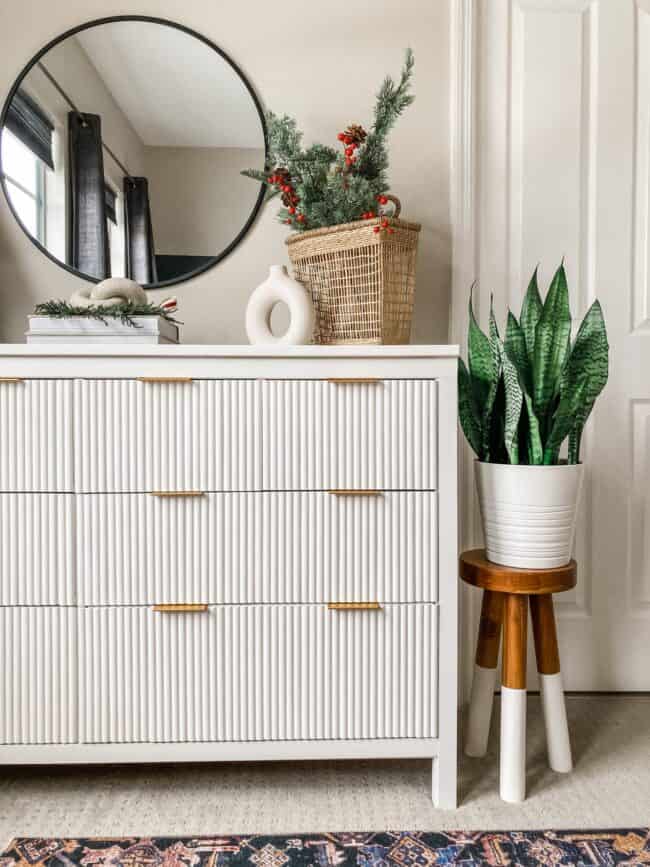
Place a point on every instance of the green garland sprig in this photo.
(125, 311)
(324, 186)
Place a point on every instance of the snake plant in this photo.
(521, 397)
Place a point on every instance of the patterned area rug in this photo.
(383, 849)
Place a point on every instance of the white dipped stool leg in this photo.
(555, 722)
(512, 770)
(480, 711)
(548, 666)
(513, 699)
(485, 672)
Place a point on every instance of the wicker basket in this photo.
(362, 282)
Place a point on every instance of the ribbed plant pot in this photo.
(529, 513)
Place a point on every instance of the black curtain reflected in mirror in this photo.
(88, 249)
(31, 125)
(140, 250)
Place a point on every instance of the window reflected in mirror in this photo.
(122, 147)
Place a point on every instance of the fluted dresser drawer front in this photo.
(37, 554)
(346, 433)
(257, 547)
(38, 687)
(247, 673)
(167, 435)
(36, 435)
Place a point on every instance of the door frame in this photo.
(465, 268)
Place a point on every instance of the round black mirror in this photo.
(121, 147)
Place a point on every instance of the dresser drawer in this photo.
(36, 435)
(37, 556)
(136, 435)
(38, 686)
(347, 434)
(246, 673)
(257, 547)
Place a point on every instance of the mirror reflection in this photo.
(122, 148)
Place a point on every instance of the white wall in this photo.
(199, 198)
(321, 63)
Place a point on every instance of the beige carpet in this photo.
(609, 787)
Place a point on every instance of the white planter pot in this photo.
(529, 513)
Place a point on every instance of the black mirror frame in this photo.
(167, 23)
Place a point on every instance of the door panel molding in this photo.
(502, 195)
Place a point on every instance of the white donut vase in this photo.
(280, 288)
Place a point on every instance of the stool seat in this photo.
(507, 593)
(477, 570)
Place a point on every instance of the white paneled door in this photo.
(560, 101)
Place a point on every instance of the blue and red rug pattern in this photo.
(367, 849)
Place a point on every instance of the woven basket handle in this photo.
(396, 202)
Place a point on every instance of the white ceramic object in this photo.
(280, 288)
(113, 290)
(529, 513)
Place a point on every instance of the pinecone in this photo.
(290, 199)
(356, 133)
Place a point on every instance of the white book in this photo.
(83, 329)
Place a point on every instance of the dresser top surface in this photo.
(206, 350)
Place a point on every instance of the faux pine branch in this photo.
(325, 186)
(520, 398)
(124, 311)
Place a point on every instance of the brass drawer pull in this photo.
(11, 379)
(165, 379)
(181, 608)
(354, 492)
(352, 380)
(172, 494)
(354, 606)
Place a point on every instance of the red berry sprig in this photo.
(383, 227)
(281, 180)
(370, 215)
(352, 138)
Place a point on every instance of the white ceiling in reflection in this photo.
(174, 89)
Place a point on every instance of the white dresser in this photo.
(297, 505)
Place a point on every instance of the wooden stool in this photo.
(506, 592)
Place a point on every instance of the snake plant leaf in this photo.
(535, 451)
(487, 426)
(575, 438)
(588, 362)
(482, 366)
(517, 352)
(515, 349)
(491, 439)
(563, 421)
(514, 402)
(470, 419)
(493, 329)
(521, 398)
(552, 336)
(531, 310)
